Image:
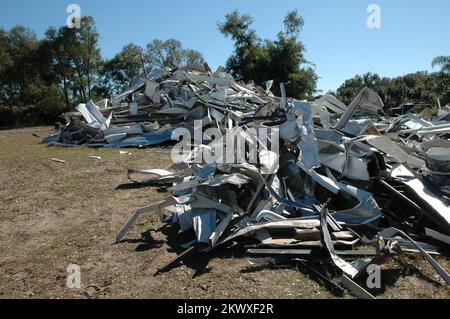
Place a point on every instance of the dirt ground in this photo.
(54, 214)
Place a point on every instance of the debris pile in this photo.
(158, 103)
(330, 181)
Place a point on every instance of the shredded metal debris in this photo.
(344, 177)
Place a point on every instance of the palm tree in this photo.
(443, 62)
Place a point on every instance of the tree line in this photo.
(42, 78)
(425, 89)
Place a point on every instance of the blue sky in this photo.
(335, 33)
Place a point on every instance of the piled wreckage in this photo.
(344, 176)
(156, 104)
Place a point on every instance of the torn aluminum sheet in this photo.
(234, 179)
(434, 208)
(390, 232)
(386, 145)
(438, 236)
(438, 159)
(137, 84)
(280, 224)
(408, 122)
(92, 115)
(355, 288)
(339, 262)
(146, 139)
(330, 102)
(102, 104)
(308, 145)
(360, 127)
(365, 212)
(367, 100)
(162, 176)
(204, 224)
(300, 116)
(150, 208)
(344, 162)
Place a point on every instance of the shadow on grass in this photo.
(321, 271)
(128, 186)
(146, 242)
(198, 260)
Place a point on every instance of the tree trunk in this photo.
(80, 83)
(65, 91)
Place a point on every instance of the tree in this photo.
(28, 90)
(17, 71)
(419, 88)
(90, 53)
(117, 73)
(75, 59)
(170, 53)
(25, 71)
(443, 62)
(237, 27)
(293, 23)
(260, 60)
(441, 79)
(6, 62)
(59, 48)
(351, 87)
(41, 78)
(441, 87)
(192, 57)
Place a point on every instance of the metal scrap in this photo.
(329, 178)
(340, 173)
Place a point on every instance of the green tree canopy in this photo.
(281, 60)
(443, 62)
(170, 53)
(117, 73)
(418, 88)
(75, 57)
